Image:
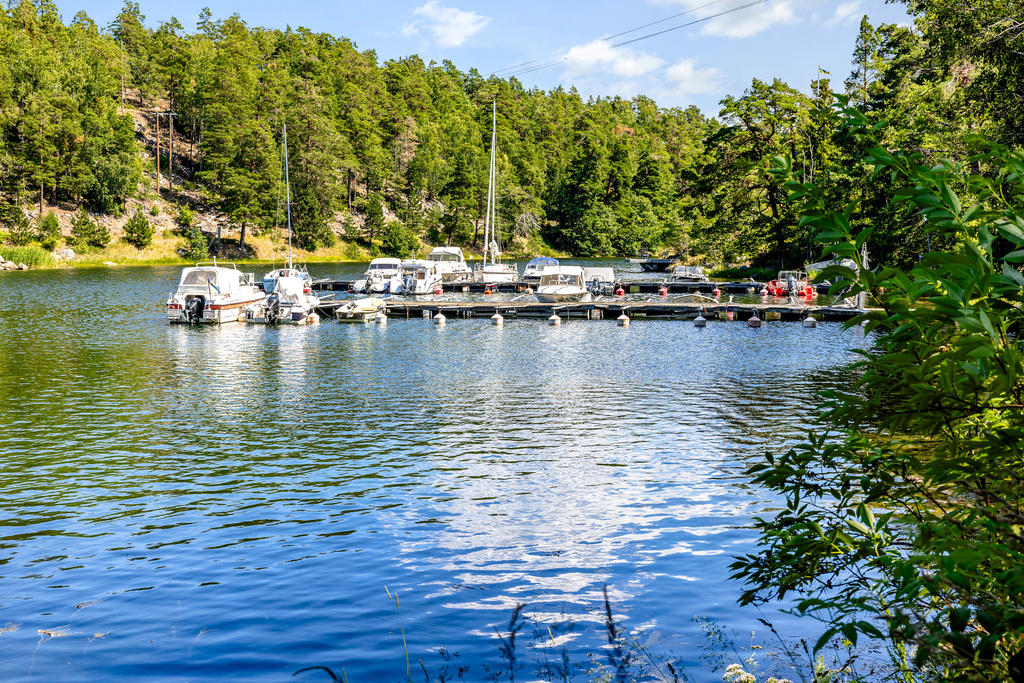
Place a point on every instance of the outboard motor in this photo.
(194, 309)
(410, 284)
(273, 305)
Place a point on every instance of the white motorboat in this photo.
(494, 273)
(212, 293)
(291, 303)
(381, 277)
(451, 264)
(532, 271)
(688, 274)
(492, 270)
(418, 277)
(562, 283)
(359, 310)
(599, 280)
(270, 279)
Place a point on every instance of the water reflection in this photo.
(239, 496)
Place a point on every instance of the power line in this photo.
(547, 65)
(691, 23)
(516, 67)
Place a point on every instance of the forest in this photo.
(393, 154)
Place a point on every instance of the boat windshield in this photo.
(560, 279)
(383, 266)
(444, 256)
(539, 263)
(200, 277)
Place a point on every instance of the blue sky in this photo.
(697, 65)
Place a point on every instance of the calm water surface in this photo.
(196, 503)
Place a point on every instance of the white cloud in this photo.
(746, 22)
(449, 27)
(687, 79)
(846, 11)
(600, 55)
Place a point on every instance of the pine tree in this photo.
(138, 231)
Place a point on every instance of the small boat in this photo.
(652, 264)
(792, 283)
(493, 271)
(599, 280)
(380, 277)
(451, 264)
(212, 293)
(290, 303)
(359, 310)
(531, 273)
(562, 283)
(418, 277)
(688, 274)
(270, 279)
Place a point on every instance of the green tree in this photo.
(197, 247)
(19, 228)
(397, 240)
(374, 217)
(903, 522)
(48, 230)
(138, 231)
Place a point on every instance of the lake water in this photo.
(195, 503)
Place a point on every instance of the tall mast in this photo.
(492, 202)
(287, 194)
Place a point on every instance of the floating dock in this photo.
(629, 287)
(600, 310)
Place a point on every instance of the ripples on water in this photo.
(196, 502)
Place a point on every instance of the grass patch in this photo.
(32, 256)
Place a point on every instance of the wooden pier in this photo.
(629, 287)
(600, 310)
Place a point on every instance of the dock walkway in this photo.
(630, 287)
(600, 310)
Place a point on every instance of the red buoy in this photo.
(620, 292)
(716, 292)
(663, 292)
(487, 291)
(438, 291)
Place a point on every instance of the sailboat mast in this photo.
(492, 185)
(288, 194)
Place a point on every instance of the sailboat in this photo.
(289, 294)
(493, 270)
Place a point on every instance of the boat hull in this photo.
(213, 314)
(560, 297)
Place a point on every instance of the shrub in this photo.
(19, 228)
(196, 245)
(81, 228)
(48, 231)
(137, 231)
(154, 210)
(84, 231)
(185, 217)
(396, 240)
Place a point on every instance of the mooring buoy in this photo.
(623, 319)
(754, 321)
(809, 321)
(497, 320)
(554, 320)
(381, 318)
(700, 321)
(439, 319)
